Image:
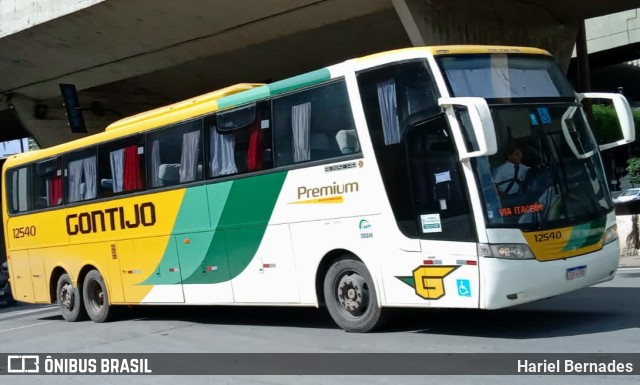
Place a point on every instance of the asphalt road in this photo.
(601, 319)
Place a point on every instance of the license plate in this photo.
(1, 292)
(576, 272)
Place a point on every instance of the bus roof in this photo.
(460, 50)
(236, 95)
(206, 102)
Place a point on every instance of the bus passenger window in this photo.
(18, 184)
(307, 125)
(81, 175)
(121, 166)
(47, 183)
(239, 140)
(175, 154)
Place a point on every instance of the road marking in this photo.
(12, 314)
(26, 326)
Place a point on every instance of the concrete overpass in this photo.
(613, 43)
(136, 55)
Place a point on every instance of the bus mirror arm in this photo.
(481, 124)
(624, 114)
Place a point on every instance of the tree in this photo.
(633, 170)
(606, 127)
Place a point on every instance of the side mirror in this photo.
(625, 117)
(481, 126)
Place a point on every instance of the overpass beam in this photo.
(47, 130)
(500, 22)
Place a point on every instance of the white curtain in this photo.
(499, 82)
(155, 164)
(75, 180)
(117, 169)
(388, 111)
(300, 123)
(223, 161)
(90, 177)
(189, 158)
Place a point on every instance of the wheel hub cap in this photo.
(352, 294)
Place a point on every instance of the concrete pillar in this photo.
(499, 22)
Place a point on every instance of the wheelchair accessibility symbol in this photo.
(464, 287)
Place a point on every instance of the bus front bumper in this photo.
(512, 282)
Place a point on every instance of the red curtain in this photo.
(131, 175)
(55, 190)
(254, 154)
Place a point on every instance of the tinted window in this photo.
(175, 154)
(121, 166)
(243, 144)
(18, 183)
(47, 183)
(314, 124)
(81, 175)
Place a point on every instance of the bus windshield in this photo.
(502, 76)
(548, 171)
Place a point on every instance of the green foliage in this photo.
(605, 123)
(633, 170)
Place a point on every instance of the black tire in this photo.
(69, 300)
(96, 297)
(350, 296)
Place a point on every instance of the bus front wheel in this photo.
(96, 299)
(69, 300)
(350, 296)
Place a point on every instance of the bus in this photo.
(363, 186)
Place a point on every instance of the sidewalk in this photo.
(629, 260)
(624, 228)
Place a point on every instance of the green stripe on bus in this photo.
(300, 81)
(239, 212)
(244, 97)
(586, 234)
(304, 80)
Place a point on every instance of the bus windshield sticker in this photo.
(431, 223)
(534, 119)
(544, 115)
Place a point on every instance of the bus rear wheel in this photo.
(350, 296)
(69, 300)
(96, 298)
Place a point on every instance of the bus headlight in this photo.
(611, 234)
(506, 251)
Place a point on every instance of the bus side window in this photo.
(81, 175)
(47, 183)
(19, 182)
(121, 166)
(307, 125)
(239, 146)
(175, 154)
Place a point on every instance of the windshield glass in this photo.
(548, 170)
(505, 76)
(629, 193)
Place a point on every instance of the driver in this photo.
(511, 174)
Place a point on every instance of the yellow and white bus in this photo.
(366, 185)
